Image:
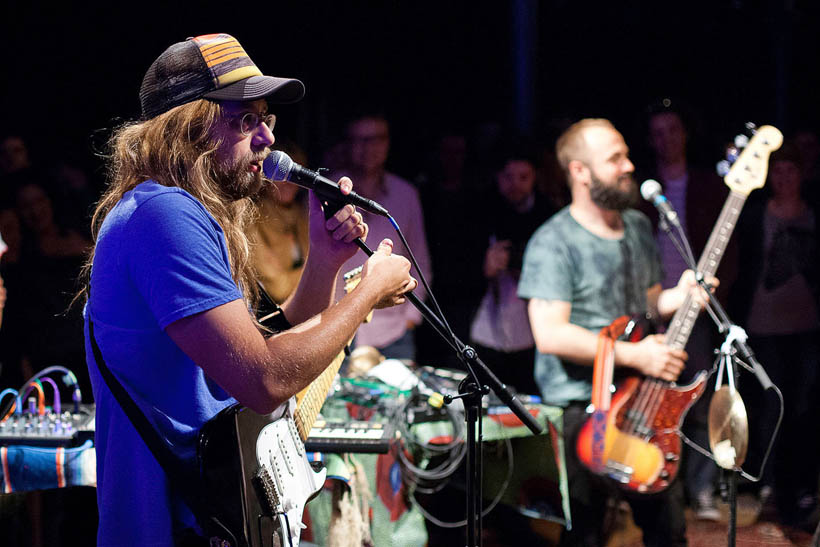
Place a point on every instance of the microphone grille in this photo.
(277, 166)
(650, 188)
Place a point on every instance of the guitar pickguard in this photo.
(281, 453)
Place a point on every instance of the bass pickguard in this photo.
(640, 455)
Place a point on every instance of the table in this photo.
(536, 488)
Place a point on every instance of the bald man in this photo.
(592, 262)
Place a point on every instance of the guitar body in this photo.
(641, 454)
(258, 476)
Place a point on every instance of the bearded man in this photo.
(590, 263)
(170, 283)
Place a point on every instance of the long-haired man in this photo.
(170, 282)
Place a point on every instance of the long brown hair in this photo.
(177, 149)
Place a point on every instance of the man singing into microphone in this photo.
(592, 262)
(170, 283)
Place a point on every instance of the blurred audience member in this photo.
(551, 181)
(47, 238)
(74, 196)
(391, 330)
(50, 261)
(280, 233)
(10, 337)
(807, 143)
(500, 329)
(698, 197)
(776, 300)
(450, 200)
(15, 168)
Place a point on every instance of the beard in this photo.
(611, 196)
(237, 179)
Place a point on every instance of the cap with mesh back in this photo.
(212, 66)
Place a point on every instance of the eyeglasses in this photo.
(249, 121)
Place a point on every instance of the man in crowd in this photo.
(592, 262)
(500, 330)
(391, 330)
(171, 282)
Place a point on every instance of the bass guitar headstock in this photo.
(747, 161)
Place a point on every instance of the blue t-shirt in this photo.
(160, 256)
(602, 279)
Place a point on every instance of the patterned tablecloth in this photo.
(537, 485)
(27, 468)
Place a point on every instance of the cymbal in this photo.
(728, 428)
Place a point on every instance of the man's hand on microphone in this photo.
(388, 275)
(332, 239)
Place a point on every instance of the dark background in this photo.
(71, 72)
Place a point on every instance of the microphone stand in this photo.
(479, 381)
(735, 343)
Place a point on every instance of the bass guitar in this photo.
(255, 467)
(633, 436)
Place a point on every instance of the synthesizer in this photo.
(349, 437)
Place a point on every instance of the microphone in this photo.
(651, 192)
(279, 166)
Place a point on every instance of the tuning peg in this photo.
(723, 167)
(732, 153)
(741, 141)
(751, 128)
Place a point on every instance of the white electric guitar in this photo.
(257, 475)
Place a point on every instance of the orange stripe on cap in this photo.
(228, 61)
(214, 56)
(227, 56)
(210, 41)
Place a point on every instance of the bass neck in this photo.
(680, 328)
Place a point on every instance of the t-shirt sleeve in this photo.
(178, 258)
(547, 269)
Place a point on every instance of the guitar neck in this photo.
(684, 319)
(310, 401)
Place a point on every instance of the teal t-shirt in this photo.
(601, 278)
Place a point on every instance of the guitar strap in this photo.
(630, 290)
(182, 478)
